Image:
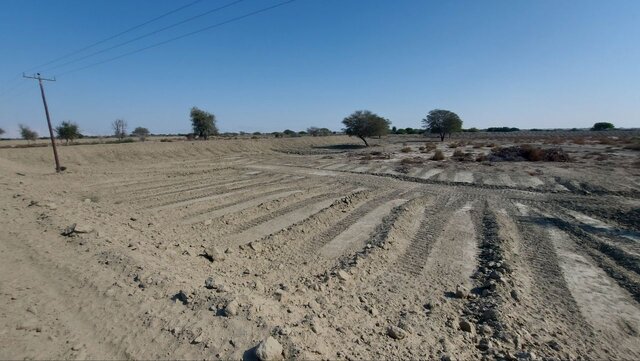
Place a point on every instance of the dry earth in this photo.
(204, 249)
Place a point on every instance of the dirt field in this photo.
(204, 249)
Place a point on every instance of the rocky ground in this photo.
(311, 248)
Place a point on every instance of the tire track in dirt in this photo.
(185, 201)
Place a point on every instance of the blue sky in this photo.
(528, 64)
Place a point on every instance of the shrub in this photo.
(406, 150)
(430, 146)
(414, 160)
(438, 155)
(27, 134)
(481, 157)
(478, 145)
(140, 132)
(458, 153)
(529, 153)
(166, 140)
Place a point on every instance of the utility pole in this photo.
(46, 111)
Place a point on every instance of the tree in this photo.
(119, 127)
(203, 123)
(27, 133)
(289, 133)
(140, 132)
(363, 123)
(602, 126)
(68, 131)
(318, 132)
(442, 122)
(1, 131)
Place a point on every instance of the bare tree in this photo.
(119, 128)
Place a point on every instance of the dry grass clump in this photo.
(529, 153)
(406, 150)
(413, 160)
(438, 155)
(478, 145)
(428, 147)
(579, 141)
(461, 156)
(165, 140)
(481, 157)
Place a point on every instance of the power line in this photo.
(147, 34)
(181, 36)
(116, 35)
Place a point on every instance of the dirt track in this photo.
(322, 250)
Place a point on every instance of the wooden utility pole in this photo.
(46, 111)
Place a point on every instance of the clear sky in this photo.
(528, 64)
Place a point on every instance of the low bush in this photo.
(406, 150)
(530, 153)
(438, 155)
(481, 157)
(414, 160)
(166, 140)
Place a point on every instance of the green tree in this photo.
(27, 133)
(68, 131)
(363, 124)
(318, 132)
(203, 123)
(141, 132)
(1, 131)
(289, 133)
(602, 126)
(442, 122)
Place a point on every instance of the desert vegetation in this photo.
(442, 122)
(27, 134)
(365, 124)
(69, 131)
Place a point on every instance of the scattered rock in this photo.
(490, 315)
(396, 333)
(495, 275)
(232, 308)
(208, 222)
(269, 350)
(83, 228)
(343, 276)
(255, 246)
(515, 295)
(209, 283)
(485, 330)
(484, 344)
(461, 291)
(466, 326)
(181, 297)
(213, 254)
(281, 295)
(67, 232)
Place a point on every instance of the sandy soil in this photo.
(204, 249)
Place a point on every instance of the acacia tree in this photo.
(318, 132)
(363, 123)
(140, 132)
(27, 133)
(442, 122)
(119, 127)
(1, 131)
(602, 126)
(203, 123)
(68, 131)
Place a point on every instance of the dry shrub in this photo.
(430, 146)
(438, 155)
(458, 153)
(530, 153)
(166, 140)
(481, 157)
(606, 141)
(406, 150)
(602, 157)
(376, 153)
(454, 145)
(579, 141)
(492, 145)
(478, 145)
(414, 160)
(366, 157)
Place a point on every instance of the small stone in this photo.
(461, 291)
(87, 200)
(77, 347)
(213, 254)
(495, 275)
(208, 222)
(490, 315)
(486, 330)
(181, 297)
(515, 295)
(281, 295)
(209, 283)
(255, 246)
(484, 344)
(83, 228)
(466, 326)
(232, 308)
(269, 350)
(69, 230)
(197, 340)
(396, 333)
(343, 276)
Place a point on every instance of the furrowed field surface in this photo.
(338, 252)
